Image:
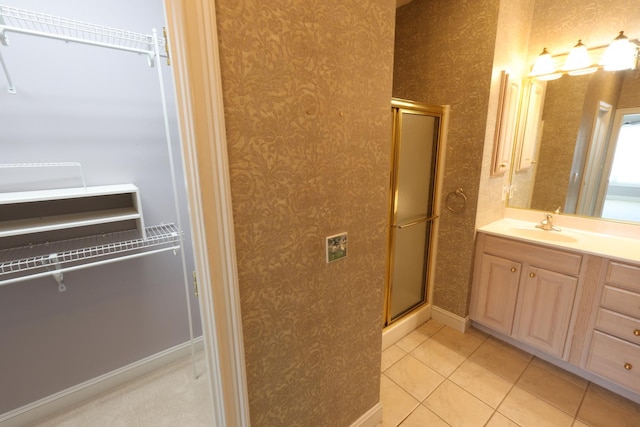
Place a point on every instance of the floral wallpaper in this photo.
(444, 56)
(307, 90)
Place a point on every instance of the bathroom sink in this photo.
(546, 235)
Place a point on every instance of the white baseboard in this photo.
(371, 418)
(396, 331)
(450, 319)
(89, 389)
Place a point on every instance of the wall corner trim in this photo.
(197, 73)
(371, 418)
(450, 319)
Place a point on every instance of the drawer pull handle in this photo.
(628, 366)
(636, 332)
(513, 270)
(532, 275)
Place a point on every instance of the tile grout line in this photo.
(584, 396)
(511, 389)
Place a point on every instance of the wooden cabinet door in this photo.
(544, 309)
(497, 292)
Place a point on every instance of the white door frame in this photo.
(195, 57)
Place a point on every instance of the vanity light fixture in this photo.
(578, 61)
(621, 54)
(544, 68)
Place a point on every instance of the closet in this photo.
(95, 257)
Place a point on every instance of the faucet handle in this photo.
(557, 211)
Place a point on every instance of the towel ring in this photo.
(459, 193)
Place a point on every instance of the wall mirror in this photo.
(583, 154)
(586, 159)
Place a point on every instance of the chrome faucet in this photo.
(547, 223)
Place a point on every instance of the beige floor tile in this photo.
(565, 375)
(481, 382)
(511, 349)
(458, 407)
(390, 356)
(528, 410)
(415, 377)
(577, 423)
(615, 398)
(551, 388)
(499, 420)
(500, 359)
(463, 343)
(438, 357)
(411, 341)
(422, 417)
(601, 408)
(430, 327)
(397, 404)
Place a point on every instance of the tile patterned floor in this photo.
(439, 377)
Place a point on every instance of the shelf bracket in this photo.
(10, 86)
(57, 275)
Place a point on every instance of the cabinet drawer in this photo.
(539, 256)
(616, 360)
(626, 276)
(619, 325)
(621, 300)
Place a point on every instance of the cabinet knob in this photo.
(636, 332)
(532, 275)
(628, 366)
(513, 270)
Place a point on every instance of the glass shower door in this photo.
(415, 149)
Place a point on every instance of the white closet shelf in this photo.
(40, 24)
(23, 21)
(64, 193)
(31, 212)
(61, 222)
(30, 262)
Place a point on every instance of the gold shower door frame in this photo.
(399, 108)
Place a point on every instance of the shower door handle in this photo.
(416, 222)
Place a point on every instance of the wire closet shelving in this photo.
(55, 258)
(22, 21)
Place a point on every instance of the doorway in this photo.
(417, 130)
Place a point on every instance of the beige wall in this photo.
(512, 41)
(444, 55)
(307, 89)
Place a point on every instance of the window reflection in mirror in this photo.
(622, 195)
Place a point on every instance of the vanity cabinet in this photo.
(497, 293)
(614, 350)
(525, 291)
(544, 309)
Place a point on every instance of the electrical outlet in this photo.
(336, 247)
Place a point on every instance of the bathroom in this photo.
(306, 118)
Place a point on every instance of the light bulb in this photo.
(620, 55)
(544, 68)
(578, 61)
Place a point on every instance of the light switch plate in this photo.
(336, 247)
